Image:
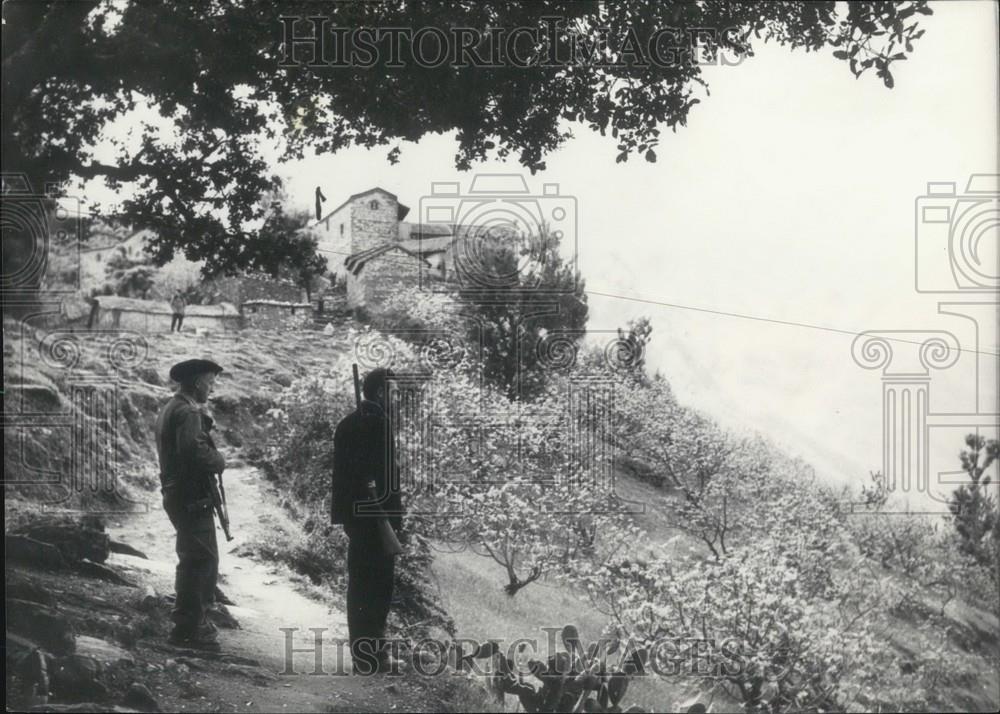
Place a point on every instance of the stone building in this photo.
(382, 268)
(370, 247)
(366, 220)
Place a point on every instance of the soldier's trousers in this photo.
(197, 564)
(369, 593)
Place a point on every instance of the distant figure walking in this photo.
(177, 304)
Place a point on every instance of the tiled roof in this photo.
(354, 263)
(431, 229)
(422, 246)
(400, 208)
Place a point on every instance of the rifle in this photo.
(219, 504)
(390, 543)
(216, 491)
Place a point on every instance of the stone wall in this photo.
(273, 315)
(355, 290)
(333, 239)
(329, 304)
(382, 276)
(115, 312)
(374, 226)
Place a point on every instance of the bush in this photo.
(791, 620)
(500, 478)
(974, 509)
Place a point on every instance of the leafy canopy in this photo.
(210, 75)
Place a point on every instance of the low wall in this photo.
(276, 315)
(155, 316)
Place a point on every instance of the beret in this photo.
(189, 369)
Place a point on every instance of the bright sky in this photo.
(789, 197)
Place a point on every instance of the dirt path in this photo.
(269, 601)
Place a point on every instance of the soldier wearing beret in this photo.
(188, 462)
(364, 466)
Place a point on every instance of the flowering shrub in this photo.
(410, 309)
(504, 479)
(922, 548)
(790, 621)
(718, 479)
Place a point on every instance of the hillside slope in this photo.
(43, 416)
(121, 627)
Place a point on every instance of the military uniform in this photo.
(188, 460)
(363, 453)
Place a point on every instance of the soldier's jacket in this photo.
(188, 457)
(362, 453)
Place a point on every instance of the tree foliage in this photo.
(500, 479)
(527, 322)
(974, 509)
(128, 276)
(210, 83)
(714, 477)
(301, 263)
(791, 619)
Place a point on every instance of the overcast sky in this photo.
(788, 197)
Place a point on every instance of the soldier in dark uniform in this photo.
(188, 462)
(364, 465)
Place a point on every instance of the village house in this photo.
(370, 247)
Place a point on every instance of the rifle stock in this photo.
(387, 536)
(219, 504)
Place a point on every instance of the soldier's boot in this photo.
(380, 662)
(202, 637)
(387, 664)
(195, 642)
(207, 629)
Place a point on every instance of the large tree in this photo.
(528, 309)
(217, 74)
